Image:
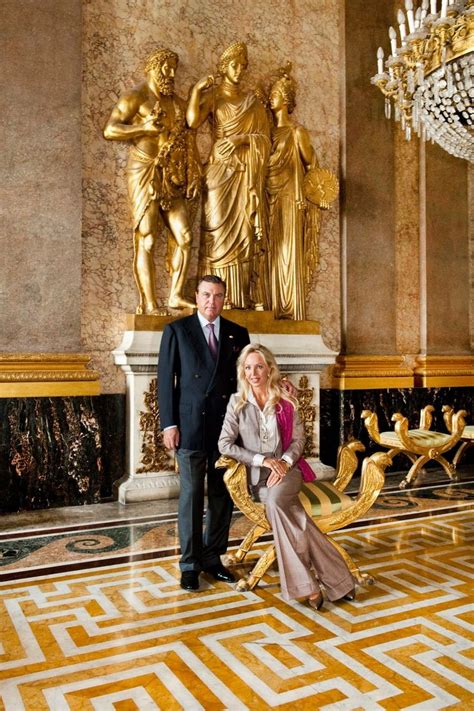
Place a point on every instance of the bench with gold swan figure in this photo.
(330, 508)
(420, 445)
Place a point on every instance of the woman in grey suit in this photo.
(263, 430)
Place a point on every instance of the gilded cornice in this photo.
(47, 375)
(371, 372)
(444, 371)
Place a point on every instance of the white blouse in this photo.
(269, 432)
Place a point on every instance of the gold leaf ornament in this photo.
(321, 187)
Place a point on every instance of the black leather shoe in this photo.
(218, 572)
(189, 580)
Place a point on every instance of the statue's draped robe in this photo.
(291, 232)
(234, 206)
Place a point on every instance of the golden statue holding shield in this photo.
(295, 187)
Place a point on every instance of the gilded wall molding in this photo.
(47, 375)
(254, 321)
(371, 372)
(442, 371)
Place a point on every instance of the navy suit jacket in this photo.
(193, 389)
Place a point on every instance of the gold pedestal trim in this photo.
(47, 375)
(254, 321)
(371, 372)
(444, 371)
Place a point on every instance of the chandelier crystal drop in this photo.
(428, 78)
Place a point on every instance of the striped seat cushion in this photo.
(420, 438)
(322, 498)
(468, 432)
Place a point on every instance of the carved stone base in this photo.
(150, 486)
(301, 357)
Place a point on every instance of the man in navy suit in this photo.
(196, 377)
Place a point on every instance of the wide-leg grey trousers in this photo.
(306, 557)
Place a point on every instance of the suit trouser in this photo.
(201, 550)
(306, 557)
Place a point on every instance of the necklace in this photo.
(264, 429)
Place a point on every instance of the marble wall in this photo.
(59, 175)
(40, 185)
(447, 253)
(405, 217)
(117, 37)
(60, 451)
(471, 252)
(368, 210)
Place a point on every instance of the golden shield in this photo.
(321, 187)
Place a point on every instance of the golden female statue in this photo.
(163, 174)
(293, 221)
(233, 196)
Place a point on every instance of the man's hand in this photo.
(171, 438)
(290, 388)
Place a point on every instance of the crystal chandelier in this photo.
(429, 75)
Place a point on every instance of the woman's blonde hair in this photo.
(275, 387)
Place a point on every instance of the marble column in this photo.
(445, 299)
(40, 268)
(368, 255)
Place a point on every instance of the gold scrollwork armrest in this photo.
(448, 414)
(347, 463)
(426, 417)
(235, 479)
(445, 443)
(372, 425)
(371, 483)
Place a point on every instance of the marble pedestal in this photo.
(299, 356)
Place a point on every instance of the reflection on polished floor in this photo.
(92, 615)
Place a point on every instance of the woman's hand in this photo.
(278, 469)
(226, 146)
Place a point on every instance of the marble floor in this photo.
(92, 615)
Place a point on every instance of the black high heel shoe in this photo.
(350, 595)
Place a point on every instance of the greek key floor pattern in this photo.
(127, 638)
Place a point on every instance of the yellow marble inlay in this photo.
(127, 637)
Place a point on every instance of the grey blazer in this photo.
(240, 437)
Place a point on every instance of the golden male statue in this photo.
(233, 199)
(163, 174)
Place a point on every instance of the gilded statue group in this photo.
(261, 187)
